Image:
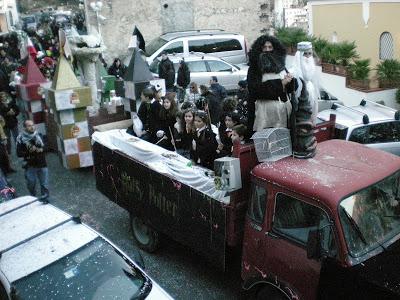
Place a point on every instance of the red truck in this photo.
(321, 228)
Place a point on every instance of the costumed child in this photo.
(166, 130)
(225, 143)
(186, 132)
(147, 118)
(238, 134)
(204, 142)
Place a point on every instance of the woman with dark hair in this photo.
(204, 143)
(167, 121)
(269, 85)
(186, 132)
(117, 68)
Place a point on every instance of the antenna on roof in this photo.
(365, 117)
(387, 108)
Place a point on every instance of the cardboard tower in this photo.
(68, 100)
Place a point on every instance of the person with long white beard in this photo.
(305, 69)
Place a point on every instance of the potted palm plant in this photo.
(358, 74)
(290, 36)
(347, 53)
(388, 72)
(330, 57)
(318, 45)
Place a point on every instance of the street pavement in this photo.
(182, 273)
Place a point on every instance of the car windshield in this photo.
(371, 216)
(94, 271)
(154, 45)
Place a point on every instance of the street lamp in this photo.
(96, 6)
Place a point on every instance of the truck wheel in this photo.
(146, 238)
(270, 293)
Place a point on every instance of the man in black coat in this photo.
(183, 80)
(217, 89)
(166, 71)
(31, 147)
(213, 104)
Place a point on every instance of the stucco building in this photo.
(153, 17)
(372, 24)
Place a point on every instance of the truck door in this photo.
(254, 233)
(285, 254)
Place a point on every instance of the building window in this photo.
(386, 46)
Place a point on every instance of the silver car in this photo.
(372, 124)
(48, 254)
(202, 67)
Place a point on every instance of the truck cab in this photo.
(326, 227)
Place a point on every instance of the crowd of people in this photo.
(203, 127)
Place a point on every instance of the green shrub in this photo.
(319, 44)
(331, 54)
(389, 70)
(347, 52)
(398, 95)
(360, 69)
(290, 36)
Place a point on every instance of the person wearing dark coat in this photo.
(185, 132)
(182, 80)
(9, 111)
(167, 120)
(243, 100)
(217, 89)
(148, 113)
(212, 104)
(166, 71)
(117, 68)
(269, 85)
(204, 143)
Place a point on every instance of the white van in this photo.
(231, 47)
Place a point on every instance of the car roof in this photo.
(192, 56)
(168, 36)
(30, 226)
(353, 115)
(338, 169)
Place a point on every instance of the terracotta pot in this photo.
(388, 84)
(356, 83)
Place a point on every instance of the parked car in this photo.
(48, 254)
(326, 100)
(231, 47)
(372, 124)
(29, 23)
(202, 67)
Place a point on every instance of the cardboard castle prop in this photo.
(68, 100)
(29, 91)
(137, 76)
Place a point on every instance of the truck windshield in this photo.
(94, 271)
(154, 45)
(371, 216)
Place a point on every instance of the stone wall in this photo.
(152, 17)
